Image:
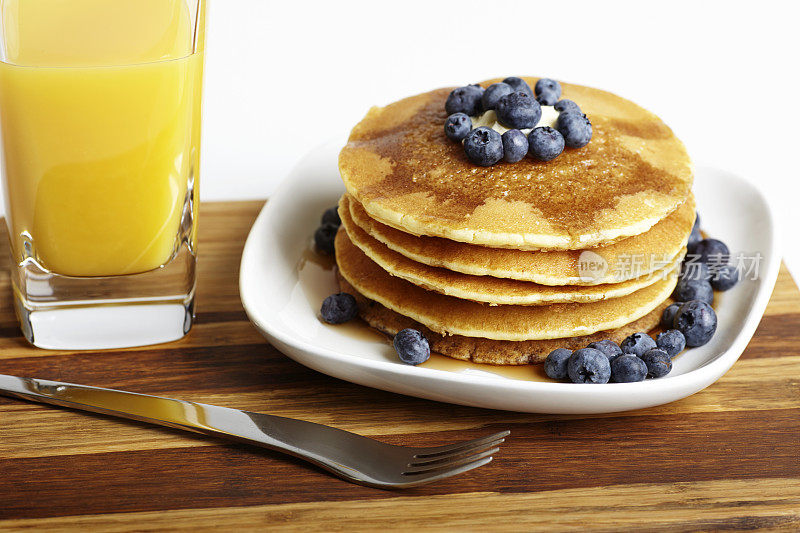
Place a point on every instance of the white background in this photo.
(283, 76)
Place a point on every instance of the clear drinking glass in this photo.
(100, 104)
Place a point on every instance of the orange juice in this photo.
(100, 117)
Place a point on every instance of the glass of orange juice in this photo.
(100, 104)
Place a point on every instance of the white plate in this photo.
(283, 302)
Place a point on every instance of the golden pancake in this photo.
(487, 289)
(490, 351)
(400, 166)
(448, 315)
(627, 259)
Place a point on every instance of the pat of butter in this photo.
(489, 119)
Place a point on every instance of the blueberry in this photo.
(695, 236)
(331, 216)
(694, 239)
(627, 369)
(518, 110)
(555, 365)
(547, 85)
(671, 341)
(637, 344)
(697, 321)
(495, 92)
(457, 126)
(412, 347)
(465, 100)
(324, 237)
(724, 277)
(693, 289)
(610, 348)
(547, 98)
(668, 315)
(567, 106)
(713, 252)
(576, 129)
(588, 365)
(483, 146)
(693, 269)
(339, 308)
(545, 143)
(519, 85)
(658, 363)
(515, 146)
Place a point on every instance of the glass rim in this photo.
(197, 48)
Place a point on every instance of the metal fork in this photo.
(352, 457)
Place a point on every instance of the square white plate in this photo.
(283, 302)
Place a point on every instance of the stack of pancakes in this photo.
(503, 264)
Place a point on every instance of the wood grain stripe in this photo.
(723, 504)
(553, 455)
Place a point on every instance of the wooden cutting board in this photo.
(727, 457)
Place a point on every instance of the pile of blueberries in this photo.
(690, 321)
(705, 269)
(517, 107)
(325, 234)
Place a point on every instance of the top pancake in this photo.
(400, 166)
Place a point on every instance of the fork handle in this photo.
(322, 445)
